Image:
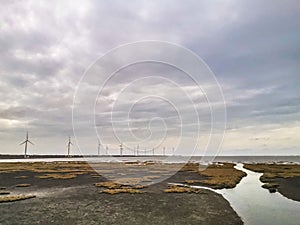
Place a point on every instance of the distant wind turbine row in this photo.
(136, 150)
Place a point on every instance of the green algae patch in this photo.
(121, 190)
(23, 185)
(216, 176)
(57, 176)
(272, 187)
(181, 189)
(273, 171)
(46, 167)
(117, 188)
(13, 198)
(108, 184)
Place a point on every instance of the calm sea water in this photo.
(170, 159)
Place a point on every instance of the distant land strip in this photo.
(10, 156)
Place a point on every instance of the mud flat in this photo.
(284, 178)
(74, 193)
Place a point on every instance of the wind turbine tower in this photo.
(121, 149)
(69, 146)
(26, 142)
(99, 147)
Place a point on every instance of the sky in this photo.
(252, 48)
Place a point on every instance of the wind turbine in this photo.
(121, 149)
(69, 146)
(99, 147)
(25, 142)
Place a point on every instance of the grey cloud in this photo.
(251, 46)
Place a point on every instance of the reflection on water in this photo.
(257, 206)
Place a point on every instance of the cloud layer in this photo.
(252, 47)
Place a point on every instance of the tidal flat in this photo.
(125, 193)
(115, 193)
(284, 178)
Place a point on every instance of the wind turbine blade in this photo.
(23, 143)
(30, 142)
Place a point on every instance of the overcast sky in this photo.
(253, 48)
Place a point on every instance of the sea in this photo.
(163, 159)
